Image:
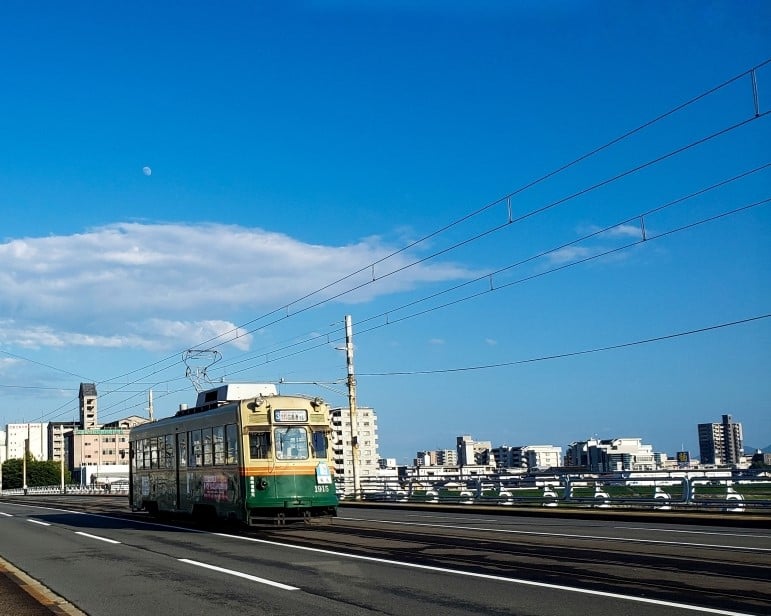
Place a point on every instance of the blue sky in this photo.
(290, 145)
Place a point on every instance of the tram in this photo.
(244, 452)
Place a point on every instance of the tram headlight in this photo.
(262, 484)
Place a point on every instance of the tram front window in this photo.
(291, 443)
(259, 445)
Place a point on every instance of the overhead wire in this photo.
(564, 355)
(489, 275)
(285, 308)
(506, 224)
(532, 277)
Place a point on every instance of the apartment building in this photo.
(721, 443)
(18, 433)
(471, 452)
(611, 455)
(365, 438)
(437, 457)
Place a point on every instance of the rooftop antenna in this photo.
(198, 373)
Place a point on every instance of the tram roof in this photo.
(231, 392)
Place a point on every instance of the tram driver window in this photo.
(259, 445)
(319, 444)
(291, 444)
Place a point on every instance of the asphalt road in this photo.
(372, 561)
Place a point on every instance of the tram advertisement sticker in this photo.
(215, 487)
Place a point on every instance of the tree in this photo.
(12, 474)
(39, 473)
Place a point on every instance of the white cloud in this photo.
(491, 341)
(633, 231)
(8, 362)
(568, 254)
(619, 231)
(170, 284)
(436, 341)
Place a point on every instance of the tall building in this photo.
(365, 432)
(437, 457)
(88, 410)
(100, 454)
(611, 455)
(528, 457)
(18, 433)
(57, 439)
(540, 456)
(721, 443)
(471, 452)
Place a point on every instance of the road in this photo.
(372, 561)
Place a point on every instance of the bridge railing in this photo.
(684, 493)
(121, 489)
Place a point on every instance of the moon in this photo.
(147, 171)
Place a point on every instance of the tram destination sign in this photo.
(290, 415)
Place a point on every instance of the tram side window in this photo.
(231, 444)
(133, 457)
(291, 444)
(182, 449)
(319, 444)
(139, 460)
(196, 452)
(168, 451)
(218, 442)
(146, 453)
(207, 447)
(154, 452)
(259, 445)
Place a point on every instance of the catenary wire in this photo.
(484, 208)
(531, 277)
(466, 217)
(489, 275)
(572, 353)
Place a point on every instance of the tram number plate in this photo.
(322, 488)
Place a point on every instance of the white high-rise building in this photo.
(471, 452)
(542, 456)
(365, 432)
(17, 433)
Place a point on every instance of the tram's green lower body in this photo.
(288, 496)
(224, 493)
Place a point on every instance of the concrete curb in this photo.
(37, 591)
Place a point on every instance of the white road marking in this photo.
(497, 578)
(683, 606)
(7, 515)
(105, 539)
(566, 535)
(246, 576)
(690, 532)
(38, 522)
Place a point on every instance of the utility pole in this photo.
(150, 405)
(24, 463)
(352, 406)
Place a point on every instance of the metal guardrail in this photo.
(655, 493)
(68, 489)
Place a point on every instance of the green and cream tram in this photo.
(243, 452)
